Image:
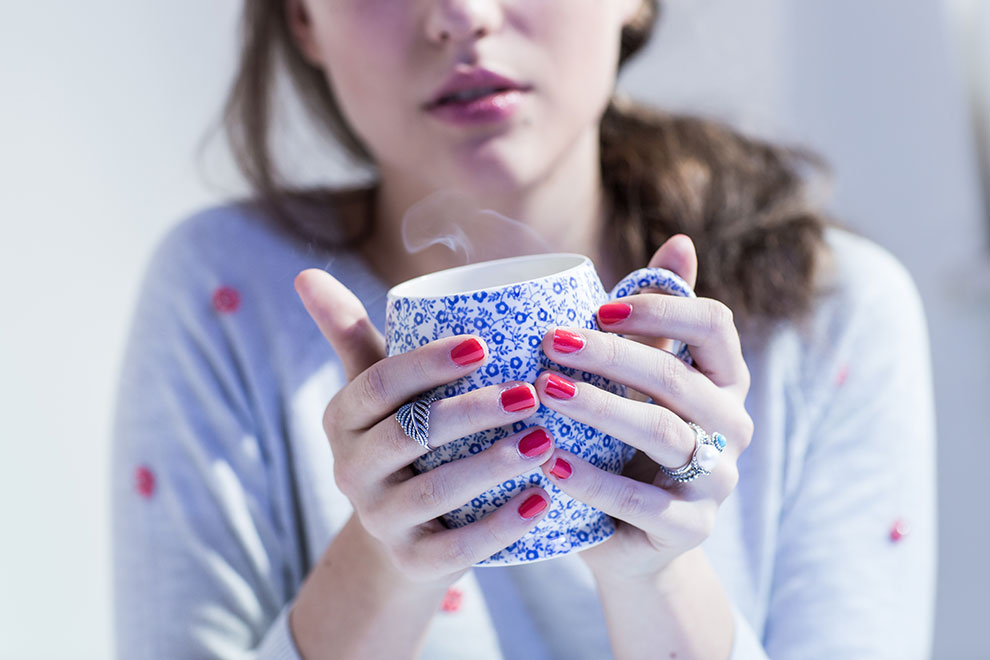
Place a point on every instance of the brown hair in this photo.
(741, 200)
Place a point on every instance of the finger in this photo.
(706, 325)
(378, 391)
(342, 319)
(654, 430)
(668, 380)
(639, 504)
(678, 254)
(679, 521)
(446, 487)
(451, 419)
(466, 546)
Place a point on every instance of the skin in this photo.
(384, 59)
(540, 167)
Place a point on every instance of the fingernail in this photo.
(614, 312)
(468, 352)
(565, 341)
(561, 469)
(535, 443)
(560, 388)
(517, 398)
(532, 507)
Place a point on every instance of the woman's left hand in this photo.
(657, 519)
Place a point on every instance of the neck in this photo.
(565, 208)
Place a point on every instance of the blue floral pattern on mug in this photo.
(512, 320)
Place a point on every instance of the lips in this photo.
(467, 86)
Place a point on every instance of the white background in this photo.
(102, 106)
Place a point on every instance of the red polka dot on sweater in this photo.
(144, 481)
(840, 378)
(899, 531)
(226, 300)
(452, 601)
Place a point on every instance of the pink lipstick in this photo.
(474, 96)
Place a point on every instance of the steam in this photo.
(455, 220)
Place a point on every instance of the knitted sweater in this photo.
(224, 494)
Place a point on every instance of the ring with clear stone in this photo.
(707, 449)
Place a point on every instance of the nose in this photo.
(457, 20)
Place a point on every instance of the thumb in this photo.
(342, 319)
(678, 254)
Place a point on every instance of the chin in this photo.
(491, 171)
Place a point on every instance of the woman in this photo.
(246, 527)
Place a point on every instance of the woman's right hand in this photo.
(372, 455)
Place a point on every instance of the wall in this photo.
(876, 87)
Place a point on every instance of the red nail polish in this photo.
(532, 507)
(614, 312)
(535, 443)
(560, 388)
(468, 352)
(561, 469)
(565, 341)
(517, 398)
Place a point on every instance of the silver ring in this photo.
(703, 459)
(414, 418)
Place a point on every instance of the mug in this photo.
(511, 304)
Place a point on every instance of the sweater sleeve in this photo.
(203, 564)
(855, 560)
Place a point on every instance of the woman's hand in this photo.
(372, 455)
(657, 518)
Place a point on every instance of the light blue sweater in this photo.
(224, 494)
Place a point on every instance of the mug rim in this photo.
(397, 290)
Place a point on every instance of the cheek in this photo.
(581, 48)
(364, 51)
